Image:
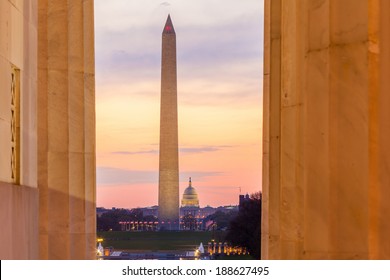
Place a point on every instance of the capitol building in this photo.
(190, 214)
(190, 196)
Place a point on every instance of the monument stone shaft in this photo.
(168, 198)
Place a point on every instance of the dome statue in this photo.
(190, 196)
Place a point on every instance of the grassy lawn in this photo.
(158, 241)
(234, 257)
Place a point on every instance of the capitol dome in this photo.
(190, 197)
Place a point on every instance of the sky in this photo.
(219, 65)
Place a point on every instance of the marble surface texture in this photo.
(326, 173)
(51, 213)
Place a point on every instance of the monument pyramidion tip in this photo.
(168, 28)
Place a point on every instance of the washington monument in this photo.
(168, 191)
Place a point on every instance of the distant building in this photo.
(190, 215)
(101, 210)
(190, 196)
(242, 200)
(150, 211)
(227, 209)
(207, 211)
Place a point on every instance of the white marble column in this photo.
(66, 134)
(326, 165)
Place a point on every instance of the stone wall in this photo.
(19, 222)
(19, 197)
